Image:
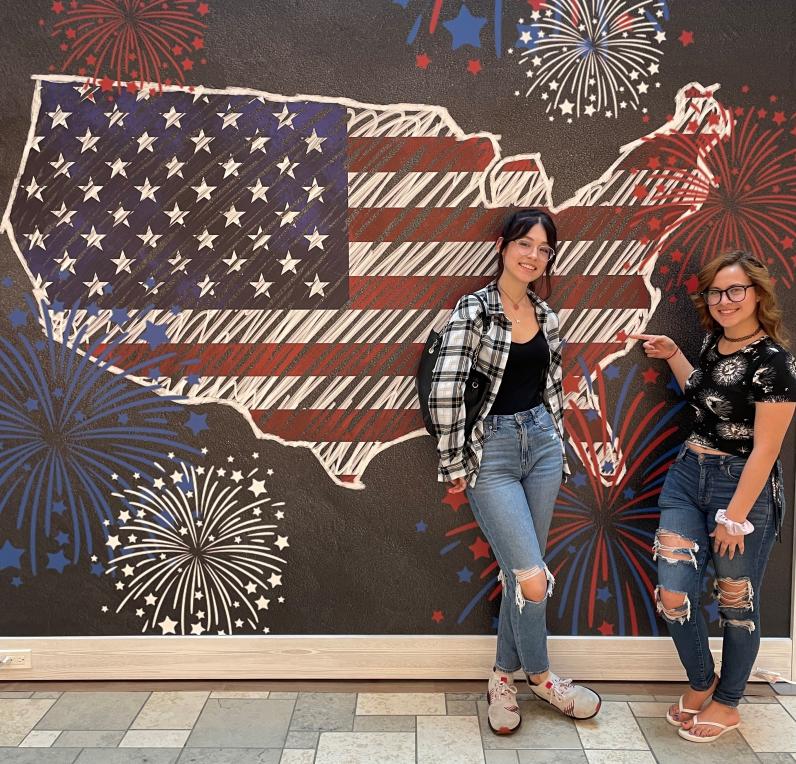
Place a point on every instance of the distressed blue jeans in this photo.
(513, 501)
(695, 487)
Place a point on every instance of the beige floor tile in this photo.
(238, 694)
(155, 739)
(366, 748)
(401, 703)
(649, 709)
(40, 739)
(768, 728)
(542, 727)
(297, 756)
(170, 711)
(18, 717)
(614, 727)
(619, 757)
(551, 756)
(788, 703)
(441, 740)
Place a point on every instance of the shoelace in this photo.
(560, 687)
(502, 691)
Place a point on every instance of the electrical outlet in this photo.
(15, 659)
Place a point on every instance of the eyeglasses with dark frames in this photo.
(735, 293)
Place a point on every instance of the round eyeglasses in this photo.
(735, 293)
(543, 250)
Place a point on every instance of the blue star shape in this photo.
(579, 479)
(154, 334)
(176, 310)
(193, 379)
(58, 393)
(123, 419)
(421, 527)
(16, 581)
(154, 372)
(591, 415)
(611, 372)
(92, 309)
(526, 30)
(9, 556)
(628, 493)
(18, 317)
(97, 569)
(571, 549)
(80, 416)
(62, 538)
(465, 29)
(59, 507)
(7, 282)
(31, 404)
(197, 422)
(608, 467)
(119, 315)
(465, 575)
(603, 594)
(57, 561)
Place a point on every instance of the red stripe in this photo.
(452, 224)
(520, 165)
(419, 154)
(338, 425)
(298, 359)
(439, 292)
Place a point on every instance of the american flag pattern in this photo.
(290, 254)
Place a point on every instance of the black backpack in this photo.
(475, 391)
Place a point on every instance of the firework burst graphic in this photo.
(599, 548)
(746, 186)
(198, 553)
(67, 425)
(602, 54)
(137, 41)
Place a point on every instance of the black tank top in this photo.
(524, 376)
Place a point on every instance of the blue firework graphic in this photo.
(68, 425)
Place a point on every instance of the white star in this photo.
(281, 542)
(257, 142)
(203, 191)
(262, 603)
(257, 487)
(205, 239)
(122, 262)
(176, 477)
(179, 263)
(317, 286)
(285, 118)
(115, 117)
(288, 263)
(64, 215)
(660, 36)
(172, 117)
(61, 166)
(113, 542)
(35, 141)
(536, 60)
(149, 238)
(230, 167)
(233, 262)
(261, 286)
(128, 570)
(233, 216)
(314, 191)
(147, 190)
(176, 215)
(237, 476)
(59, 117)
(117, 167)
(314, 142)
(174, 167)
(566, 106)
(287, 216)
(40, 288)
(275, 580)
(589, 109)
(230, 119)
(653, 68)
(316, 239)
(643, 87)
(525, 36)
(197, 628)
(259, 239)
(145, 142)
(258, 191)
(553, 85)
(96, 286)
(168, 626)
(93, 239)
(66, 263)
(158, 483)
(287, 167)
(206, 286)
(633, 76)
(92, 190)
(202, 141)
(120, 216)
(279, 515)
(34, 189)
(250, 587)
(88, 141)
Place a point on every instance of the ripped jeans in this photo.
(696, 486)
(513, 501)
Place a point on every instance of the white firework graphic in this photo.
(195, 554)
(600, 53)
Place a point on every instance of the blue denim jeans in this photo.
(513, 501)
(695, 487)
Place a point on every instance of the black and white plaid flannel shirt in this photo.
(464, 343)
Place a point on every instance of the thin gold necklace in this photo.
(514, 303)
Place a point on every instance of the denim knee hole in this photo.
(674, 548)
(679, 613)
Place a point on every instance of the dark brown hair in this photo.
(515, 227)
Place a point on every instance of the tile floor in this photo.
(360, 723)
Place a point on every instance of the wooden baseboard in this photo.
(348, 657)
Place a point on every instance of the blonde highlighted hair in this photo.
(768, 311)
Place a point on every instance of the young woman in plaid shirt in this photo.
(511, 464)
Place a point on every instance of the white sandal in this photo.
(687, 735)
(672, 720)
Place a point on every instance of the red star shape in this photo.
(762, 113)
(645, 118)
(738, 111)
(692, 283)
(677, 256)
(787, 242)
(198, 43)
(778, 118)
(744, 88)
(713, 119)
(177, 50)
(606, 629)
(437, 616)
(654, 163)
(455, 500)
(71, 34)
(422, 61)
(571, 383)
(187, 64)
(204, 9)
(106, 83)
(58, 6)
(621, 335)
(686, 38)
(479, 548)
(473, 66)
(132, 88)
(773, 98)
(655, 224)
(640, 192)
(91, 59)
(650, 376)
(664, 269)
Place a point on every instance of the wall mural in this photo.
(215, 294)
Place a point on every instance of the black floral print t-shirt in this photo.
(723, 391)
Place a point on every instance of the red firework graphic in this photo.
(131, 41)
(747, 188)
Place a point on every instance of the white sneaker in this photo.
(503, 714)
(571, 699)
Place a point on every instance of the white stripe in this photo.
(422, 258)
(600, 324)
(414, 189)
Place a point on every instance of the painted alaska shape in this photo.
(291, 254)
